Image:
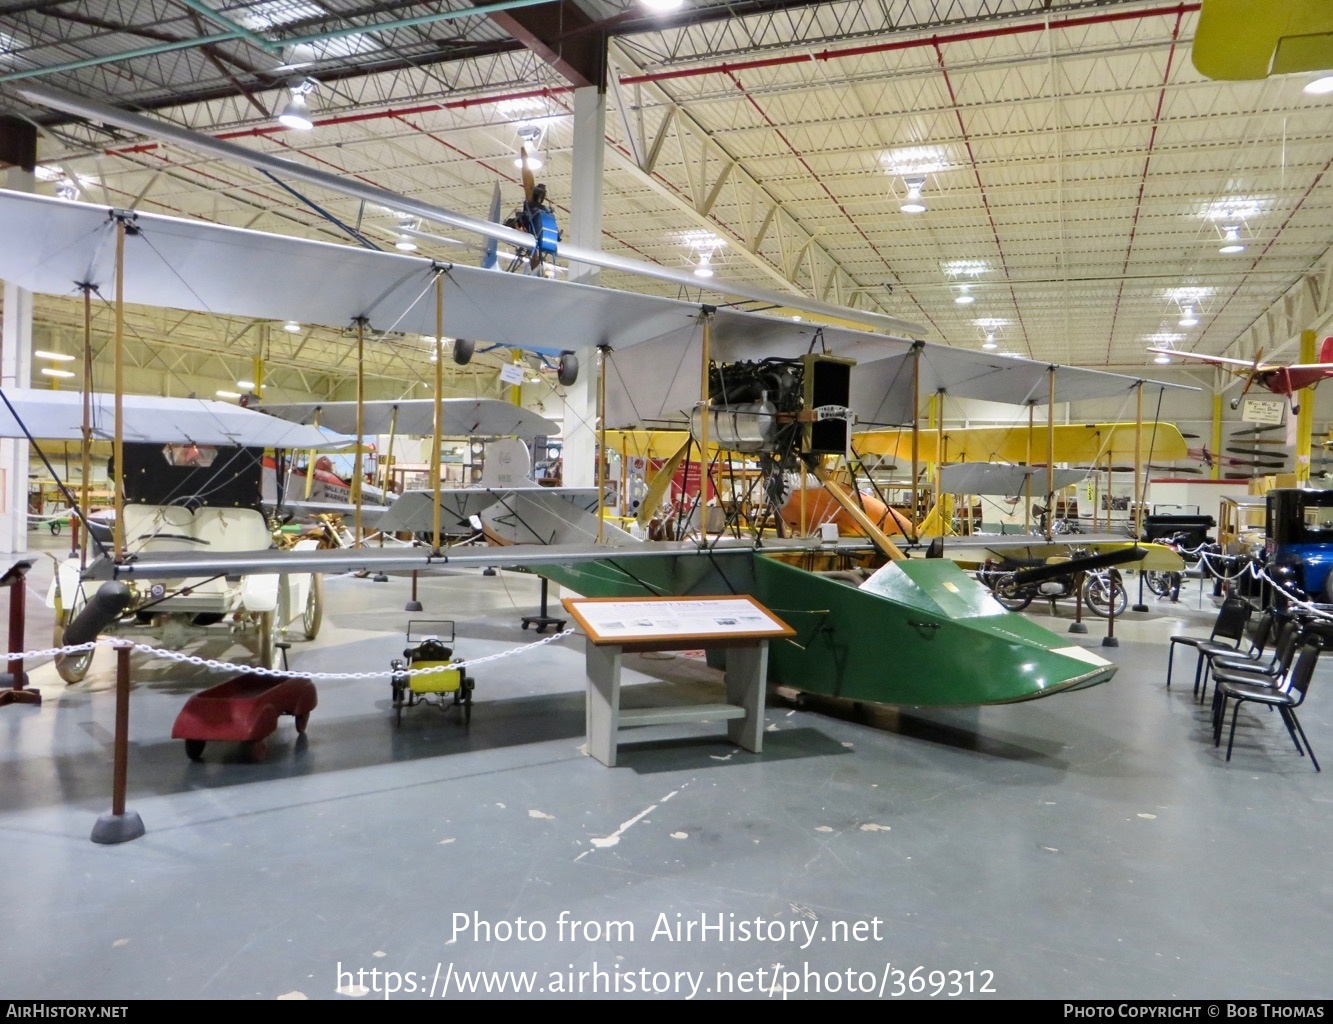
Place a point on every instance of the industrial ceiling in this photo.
(1079, 175)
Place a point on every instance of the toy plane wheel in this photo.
(463, 348)
(302, 720)
(194, 750)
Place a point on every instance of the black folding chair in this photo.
(1268, 628)
(1226, 637)
(1286, 699)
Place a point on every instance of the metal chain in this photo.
(228, 666)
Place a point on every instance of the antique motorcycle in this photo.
(1017, 582)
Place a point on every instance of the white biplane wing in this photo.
(58, 416)
(463, 417)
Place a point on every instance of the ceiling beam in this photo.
(561, 35)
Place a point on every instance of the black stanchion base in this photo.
(1140, 608)
(1110, 641)
(117, 828)
(1078, 627)
(413, 606)
(379, 577)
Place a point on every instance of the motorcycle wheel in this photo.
(1099, 590)
(1015, 599)
(1159, 582)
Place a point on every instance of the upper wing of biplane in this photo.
(193, 265)
(1082, 443)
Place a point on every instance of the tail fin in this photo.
(490, 261)
(1326, 350)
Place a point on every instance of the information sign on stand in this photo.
(739, 625)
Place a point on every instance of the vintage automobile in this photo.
(1299, 531)
(195, 498)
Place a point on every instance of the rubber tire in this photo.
(302, 720)
(313, 615)
(1015, 603)
(567, 369)
(194, 750)
(463, 349)
(1158, 582)
(1099, 604)
(72, 668)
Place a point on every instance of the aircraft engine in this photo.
(777, 406)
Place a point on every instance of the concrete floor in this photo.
(1090, 845)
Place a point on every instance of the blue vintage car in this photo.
(1299, 528)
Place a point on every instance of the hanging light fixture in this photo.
(1321, 86)
(990, 342)
(292, 327)
(964, 298)
(1187, 317)
(662, 6)
(704, 267)
(1231, 240)
(913, 203)
(296, 114)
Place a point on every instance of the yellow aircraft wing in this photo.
(1240, 40)
(1078, 443)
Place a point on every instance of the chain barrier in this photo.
(228, 666)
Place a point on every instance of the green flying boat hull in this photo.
(917, 633)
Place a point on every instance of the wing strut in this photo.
(877, 536)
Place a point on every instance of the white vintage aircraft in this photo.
(928, 611)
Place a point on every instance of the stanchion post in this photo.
(1110, 640)
(413, 605)
(1078, 625)
(120, 826)
(17, 692)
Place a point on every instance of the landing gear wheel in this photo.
(463, 348)
(258, 750)
(314, 607)
(194, 750)
(567, 369)
(302, 720)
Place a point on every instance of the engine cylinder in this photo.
(748, 427)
